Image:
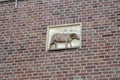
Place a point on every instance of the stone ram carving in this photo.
(63, 38)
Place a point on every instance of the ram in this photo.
(63, 38)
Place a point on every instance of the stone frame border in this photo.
(63, 25)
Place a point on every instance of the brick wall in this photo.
(23, 37)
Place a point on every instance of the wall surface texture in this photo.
(23, 40)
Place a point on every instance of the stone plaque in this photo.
(65, 36)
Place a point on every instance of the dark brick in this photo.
(107, 35)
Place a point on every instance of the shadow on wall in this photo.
(77, 78)
(72, 78)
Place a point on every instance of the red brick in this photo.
(23, 40)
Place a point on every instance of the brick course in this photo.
(23, 39)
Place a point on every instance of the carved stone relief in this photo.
(64, 36)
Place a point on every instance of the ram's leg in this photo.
(70, 44)
(66, 43)
(50, 46)
(55, 45)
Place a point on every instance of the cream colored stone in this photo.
(63, 39)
